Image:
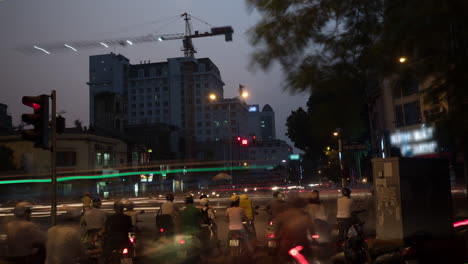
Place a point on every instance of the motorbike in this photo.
(187, 248)
(270, 238)
(121, 253)
(237, 246)
(355, 247)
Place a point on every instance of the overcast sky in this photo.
(36, 22)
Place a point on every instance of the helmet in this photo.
(97, 203)
(204, 201)
(129, 205)
(203, 196)
(170, 197)
(280, 196)
(119, 206)
(189, 199)
(235, 198)
(275, 194)
(244, 197)
(346, 192)
(22, 209)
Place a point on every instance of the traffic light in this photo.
(244, 142)
(39, 120)
(254, 139)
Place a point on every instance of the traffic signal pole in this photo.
(53, 152)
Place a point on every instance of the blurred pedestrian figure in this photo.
(294, 228)
(25, 240)
(343, 214)
(277, 205)
(87, 201)
(64, 245)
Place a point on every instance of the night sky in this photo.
(36, 22)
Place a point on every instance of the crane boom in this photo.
(188, 48)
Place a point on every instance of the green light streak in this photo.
(125, 174)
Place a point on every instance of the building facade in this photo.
(261, 123)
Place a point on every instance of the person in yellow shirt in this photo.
(247, 205)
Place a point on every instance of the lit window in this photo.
(99, 158)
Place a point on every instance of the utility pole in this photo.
(53, 152)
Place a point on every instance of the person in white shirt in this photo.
(343, 215)
(95, 218)
(236, 215)
(25, 240)
(64, 244)
(168, 217)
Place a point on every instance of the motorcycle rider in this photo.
(209, 229)
(294, 228)
(343, 214)
(95, 218)
(87, 201)
(191, 217)
(64, 243)
(116, 230)
(277, 205)
(246, 204)
(236, 215)
(25, 240)
(168, 216)
(130, 211)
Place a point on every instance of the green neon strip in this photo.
(124, 174)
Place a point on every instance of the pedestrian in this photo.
(294, 228)
(25, 240)
(87, 201)
(64, 245)
(343, 214)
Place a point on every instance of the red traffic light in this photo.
(238, 138)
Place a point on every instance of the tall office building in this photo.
(261, 123)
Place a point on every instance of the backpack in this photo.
(205, 218)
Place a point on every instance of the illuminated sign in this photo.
(414, 142)
(294, 157)
(253, 108)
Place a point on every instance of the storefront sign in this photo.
(419, 141)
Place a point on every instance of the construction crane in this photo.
(187, 45)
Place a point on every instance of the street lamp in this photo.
(337, 134)
(402, 59)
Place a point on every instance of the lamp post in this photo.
(213, 97)
(340, 155)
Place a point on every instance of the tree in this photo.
(6, 159)
(78, 124)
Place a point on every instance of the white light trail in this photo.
(70, 47)
(129, 42)
(41, 49)
(104, 44)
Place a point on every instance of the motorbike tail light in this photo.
(161, 230)
(271, 235)
(125, 251)
(270, 223)
(315, 236)
(182, 242)
(132, 240)
(294, 252)
(408, 252)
